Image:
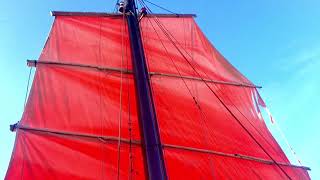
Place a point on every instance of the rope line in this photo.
(189, 90)
(115, 6)
(120, 98)
(220, 100)
(246, 118)
(202, 113)
(165, 9)
(185, 84)
(27, 89)
(100, 101)
(287, 142)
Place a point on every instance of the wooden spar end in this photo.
(31, 63)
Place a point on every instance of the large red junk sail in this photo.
(81, 121)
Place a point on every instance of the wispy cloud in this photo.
(295, 101)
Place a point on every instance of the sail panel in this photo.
(184, 164)
(187, 165)
(191, 165)
(175, 43)
(81, 100)
(99, 41)
(194, 114)
(72, 112)
(194, 117)
(48, 156)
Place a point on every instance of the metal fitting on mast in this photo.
(123, 7)
(142, 13)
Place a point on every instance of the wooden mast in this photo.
(151, 144)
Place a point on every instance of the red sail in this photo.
(208, 122)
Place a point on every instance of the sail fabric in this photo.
(76, 115)
(168, 42)
(193, 113)
(89, 40)
(45, 156)
(81, 101)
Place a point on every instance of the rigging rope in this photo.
(115, 6)
(24, 107)
(189, 90)
(161, 7)
(120, 98)
(130, 129)
(287, 142)
(290, 147)
(214, 93)
(247, 119)
(100, 101)
(274, 122)
(27, 89)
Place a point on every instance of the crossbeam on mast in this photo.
(102, 14)
(34, 63)
(112, 139)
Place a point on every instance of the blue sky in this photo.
(274, 43)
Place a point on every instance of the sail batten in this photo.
(102, 14)
(136, 142)
(33, 63)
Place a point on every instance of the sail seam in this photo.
(137, 142)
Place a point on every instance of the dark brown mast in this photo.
(152, 148)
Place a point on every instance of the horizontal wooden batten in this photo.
(114, 139)
(240, 156)
(101, 14)
(202, 79)
(33, 63)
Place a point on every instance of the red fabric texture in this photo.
(87, 101)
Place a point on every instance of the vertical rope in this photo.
(130, 130)
(287, 142)
(24, 107)
(120, 98)
(100, 101)
(115, 6)
(27, 89)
